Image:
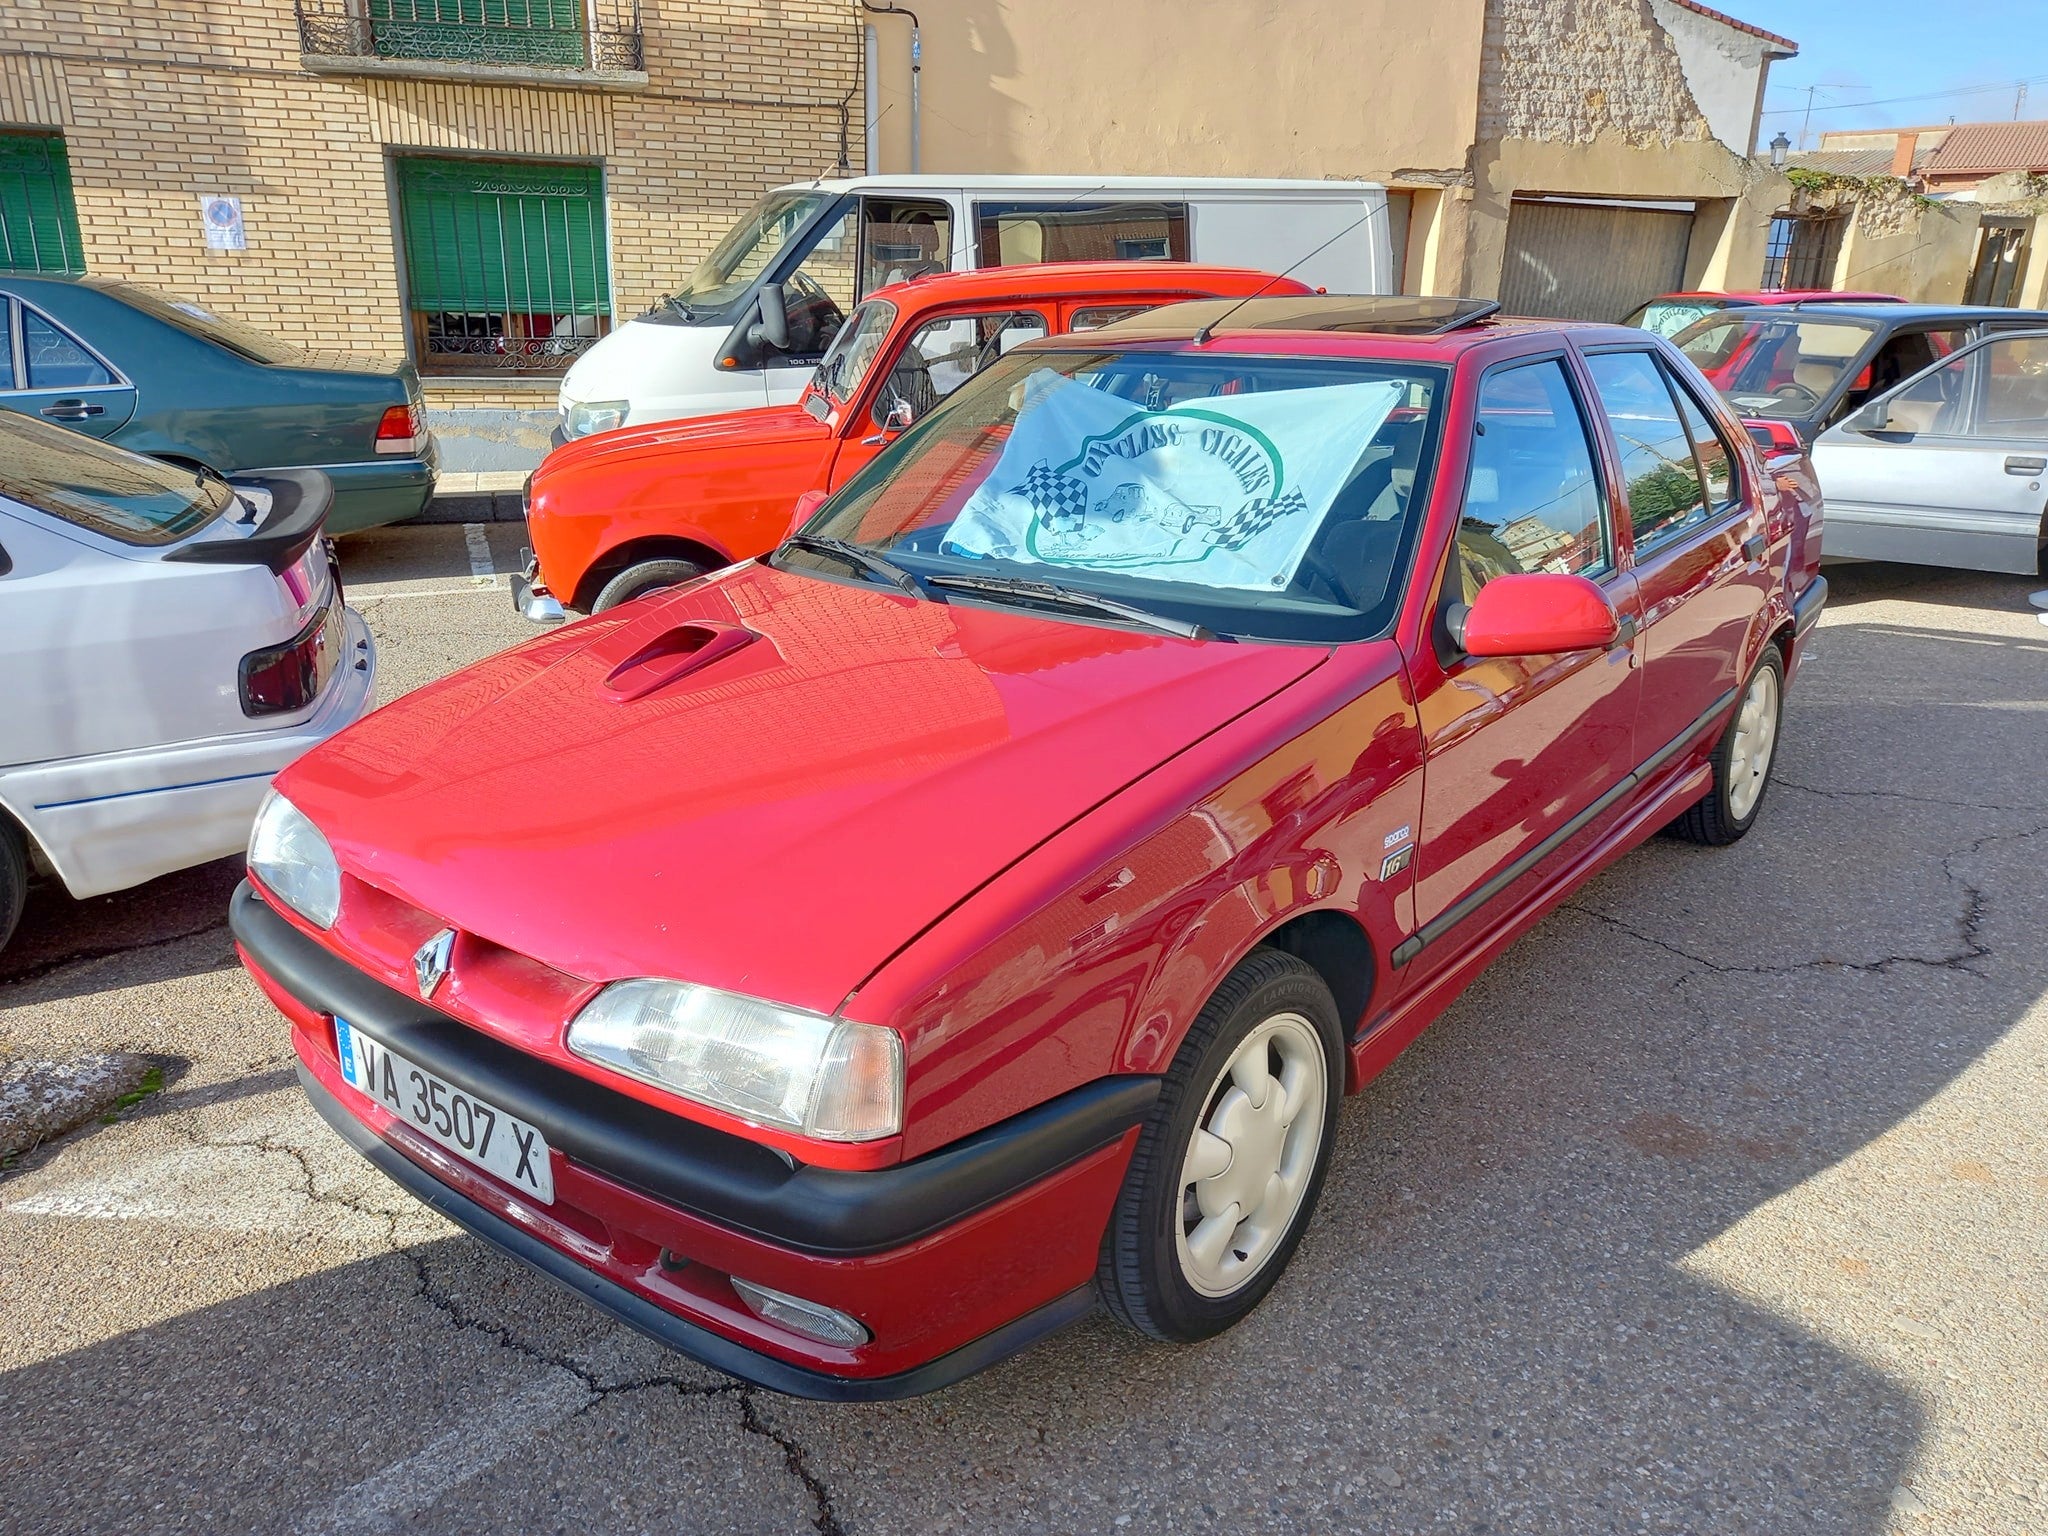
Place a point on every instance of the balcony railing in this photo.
(601, 36)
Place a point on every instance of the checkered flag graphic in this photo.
(1053, 494)
(1255, 517)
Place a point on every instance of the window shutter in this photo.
(38, 219)
(496, 237)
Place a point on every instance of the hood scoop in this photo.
(660, 652)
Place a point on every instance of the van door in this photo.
(902, 238)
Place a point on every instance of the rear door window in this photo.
(1018, 234)
(56, 358)
(7, 379)
(1096, 316)
(1532, 500)
(1664, 492)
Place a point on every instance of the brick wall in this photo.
(160, 101)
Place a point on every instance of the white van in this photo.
(754, 319)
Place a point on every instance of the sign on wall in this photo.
(221, 217)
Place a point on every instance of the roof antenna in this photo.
(1208, 327)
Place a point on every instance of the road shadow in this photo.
(1861, 581)
(1508, 1316)
(176, 925)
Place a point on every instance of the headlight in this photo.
(782, 1067)
(588, 416)
(292, 859)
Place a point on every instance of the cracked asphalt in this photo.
(1719, 1204)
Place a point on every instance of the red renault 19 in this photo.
(975, 911)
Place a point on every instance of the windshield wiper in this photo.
(1054, 595)
(861, 558)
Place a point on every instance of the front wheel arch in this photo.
(633, 552)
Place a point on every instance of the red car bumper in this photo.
(951, 1261)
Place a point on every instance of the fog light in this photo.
(825, 1324)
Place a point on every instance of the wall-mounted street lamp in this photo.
(1778, 147)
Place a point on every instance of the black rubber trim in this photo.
(679, 1333)
(1455, 914)
(1807, 606)
(727, 1179)
(299, 502)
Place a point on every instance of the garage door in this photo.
(1590, 261)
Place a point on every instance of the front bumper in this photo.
(532, 601)
(951, 1261)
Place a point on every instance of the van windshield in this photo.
(745, 251)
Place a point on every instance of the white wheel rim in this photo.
(1248, 1165)
(1756, 737)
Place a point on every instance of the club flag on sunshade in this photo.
(1227, 491)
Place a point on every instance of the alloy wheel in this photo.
(1756, 737)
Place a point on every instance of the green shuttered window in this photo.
(505, 263)
(38, 219)
(546, 33)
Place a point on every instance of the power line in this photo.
(1886, 101)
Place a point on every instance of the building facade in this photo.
(488, 185)
(485, 185)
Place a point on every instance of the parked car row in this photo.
(977, 906)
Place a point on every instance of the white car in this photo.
(167, 643)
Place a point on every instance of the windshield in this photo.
(1667, 317)
(1270, 498)
(107, 490)
(197, 320)
(854, 349)
(746, 251)
(1771, 365)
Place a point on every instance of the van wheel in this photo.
(1742, 762)
(1232, 1157)
(13, 879)
(638, 580)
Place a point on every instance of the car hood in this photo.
(660, 439)
(780, 819)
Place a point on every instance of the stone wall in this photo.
(1573, 71)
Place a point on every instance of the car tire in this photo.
(1177, 1264)
(639, 579)
(13, 878)
(1742, 761)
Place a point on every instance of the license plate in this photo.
(500, 1144)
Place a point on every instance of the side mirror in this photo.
(1539, 614)
(897, 417)
(806, 505)
(772, 329)
(1874, 417)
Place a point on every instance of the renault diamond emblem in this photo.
(430, 961)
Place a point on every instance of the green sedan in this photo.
(162, 376)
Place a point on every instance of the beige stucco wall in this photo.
(1315, 88)
(1924, 257)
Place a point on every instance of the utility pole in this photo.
(1806, 120)
(2019, 102)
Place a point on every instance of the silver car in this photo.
(1949, 467)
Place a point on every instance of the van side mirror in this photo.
(772, 329)
(1541, 613)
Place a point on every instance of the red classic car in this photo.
(886, 950)
(624, 513)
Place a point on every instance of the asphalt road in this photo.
(1719, 1205)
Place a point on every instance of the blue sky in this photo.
(1876, 51)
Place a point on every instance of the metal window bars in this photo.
(539, 34)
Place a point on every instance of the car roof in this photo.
(1758, 297)
(1082, 279)
(1893, 314)
(1155, 185)
(1344, 323)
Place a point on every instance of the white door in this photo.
(1950, 468)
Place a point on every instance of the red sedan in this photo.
(852, 965)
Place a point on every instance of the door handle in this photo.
(1624, 632)
(72, 410)
(1754, 546)
(2025, 464)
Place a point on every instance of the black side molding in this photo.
(299, 502)
(1451, 916)
(678, 1333)
(1807, 606)
(727, 1179)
